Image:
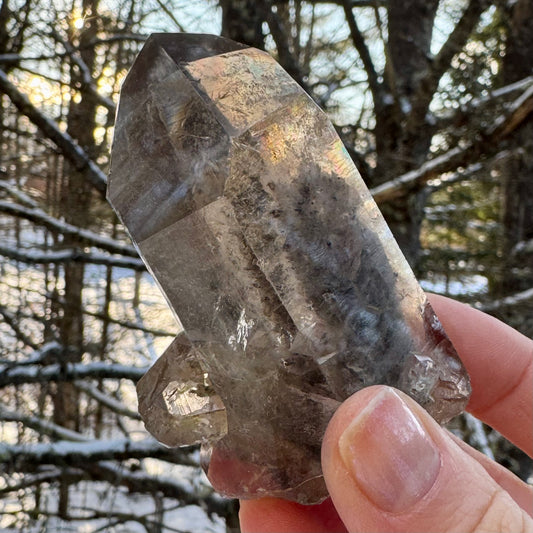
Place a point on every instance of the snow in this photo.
(37, 373)
(130, 351)
(474, 284)
(89, 449)
(86, 498)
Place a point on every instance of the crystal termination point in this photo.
(291, 290)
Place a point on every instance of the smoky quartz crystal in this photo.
(290, 288)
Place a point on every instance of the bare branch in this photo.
(508, 301)
(460, 175)
(65, 143)
(17, 58)
(132, 325)
(82, 453)
(43, 427)
(169, 487)
(136, 482)
(49, 475)
(44, 219)
(134, 37)
(107, 401)
(403, 184)
(515, 115)
(455, 117)
(168, 12)
(15, 192)
(149, 520)
(364, 54)
(47, 353)
(13, 322)
(17, 375)
(71, 255)
(123, 323)
(87, 81)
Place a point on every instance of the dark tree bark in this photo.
(408, 58)
(77, 195)
(76, 202)
(517, 173)
(411, 77)
(71, 224)
(242, 21)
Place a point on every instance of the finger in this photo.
(500, 363)
(390, 467)
(270, 515)
(521, 492)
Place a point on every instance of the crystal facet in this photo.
(290, 288)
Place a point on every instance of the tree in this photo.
(517, 173)
(65, 372)
(398, 130)
(433, 100)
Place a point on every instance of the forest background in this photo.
(433, 100)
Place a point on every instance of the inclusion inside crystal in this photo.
(269, 248)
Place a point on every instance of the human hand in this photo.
(390, 467)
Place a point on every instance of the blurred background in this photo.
(434, 102)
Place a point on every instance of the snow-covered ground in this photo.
(137, 300)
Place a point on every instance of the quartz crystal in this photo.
(290, 288)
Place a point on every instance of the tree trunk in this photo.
(402, 144)
(517, 175)
(242, 22)
(76, 202)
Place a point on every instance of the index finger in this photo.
(500, 363)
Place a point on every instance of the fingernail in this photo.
(389, 453)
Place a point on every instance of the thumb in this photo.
(390, 467)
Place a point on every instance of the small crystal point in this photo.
(264, 239)
(176, 400)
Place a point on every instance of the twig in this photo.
(508, 301)
(106, 400)
(71, 255)
(66, 144)
(82, 453)
(364, 54)
(68, 372)
(37, 215)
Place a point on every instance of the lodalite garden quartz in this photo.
(268, 246)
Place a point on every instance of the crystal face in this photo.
(290, 288)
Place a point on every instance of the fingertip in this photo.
(499, 361)
(390, 467)
(271, 515)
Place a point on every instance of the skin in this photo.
(470, 492)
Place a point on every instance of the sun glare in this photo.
(77, 19)
(78, 22)
(40, 90)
